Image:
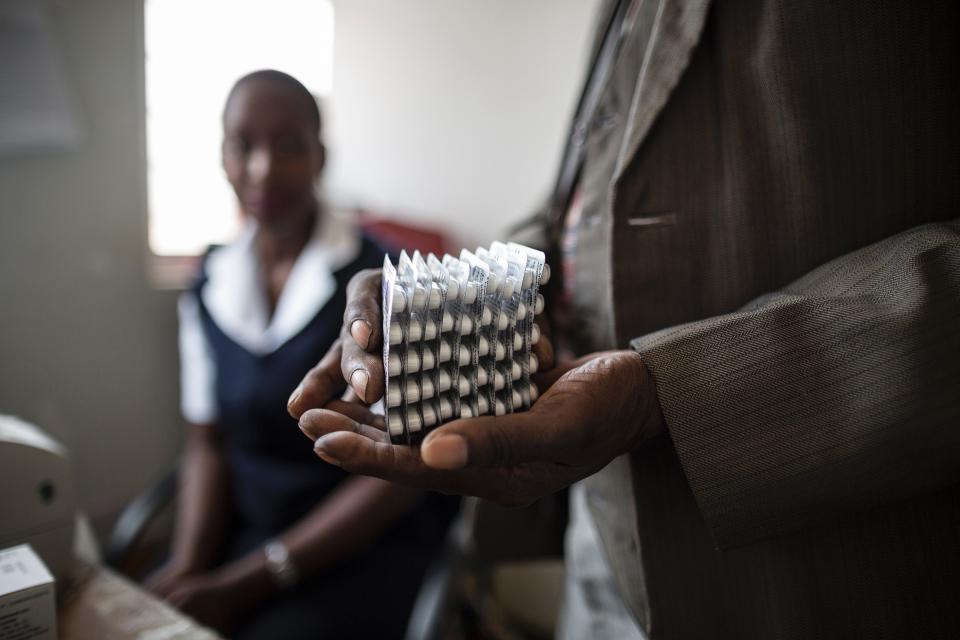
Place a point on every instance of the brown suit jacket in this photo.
(768, 189)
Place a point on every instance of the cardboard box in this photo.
(27, 606)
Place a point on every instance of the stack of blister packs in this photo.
(458, 334)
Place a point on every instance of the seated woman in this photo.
(269, 541)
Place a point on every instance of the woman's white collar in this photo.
(234, 293)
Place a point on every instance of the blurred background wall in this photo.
(87, 346)
(453, 112)
(450, 112)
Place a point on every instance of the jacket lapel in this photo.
(677, 25)
(673, 35)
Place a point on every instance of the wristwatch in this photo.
(280, 564)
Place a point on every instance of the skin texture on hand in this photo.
(589, 412)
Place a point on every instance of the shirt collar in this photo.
(235, 297)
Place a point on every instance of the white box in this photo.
(27, 607)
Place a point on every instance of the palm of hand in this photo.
(595, 409)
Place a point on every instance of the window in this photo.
(194, 53)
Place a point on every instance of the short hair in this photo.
(285, 79)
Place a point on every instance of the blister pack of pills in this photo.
(459, 335)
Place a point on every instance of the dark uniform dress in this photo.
(276, 480)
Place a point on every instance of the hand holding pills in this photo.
(591, 411)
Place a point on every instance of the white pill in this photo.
(483, 406)
(414, 423)
(501, 352)
(414, 332)
(503, 321)
(483, 346)
(517, 341)
(466, 326)
(515, 371)
(445, 353)
(419, 297)
(413, 362)
(426, 389)
(464, 386)
(446, 409)
(493, 283)
(466, 411)
(481, 377)
(393, 395)
(429, 415)
(500, 408)
(396, 334)
(393, 366)
(399, 302)
(535, 334)
(499, 382)
(395, 424)
(470, 293)
(444, 381)
(522, 310)
(453, 289)
(487, 317)
(534, 393)
(534, 363)
(464, 355)
(447, 322)
(538, 307)
(429, 360)
(545, 274)
(517, 400)
(413, 391)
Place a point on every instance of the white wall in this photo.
(87, 347)
(453, 112)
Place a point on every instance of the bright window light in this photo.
(194, 53)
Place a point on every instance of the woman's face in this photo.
(271, 151)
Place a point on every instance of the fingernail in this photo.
(360, 330)
(445, 452)
(295, 395)
(307, 430)
(358, 380)
(326, 457)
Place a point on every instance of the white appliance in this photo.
(37, 505)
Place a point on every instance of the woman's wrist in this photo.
(247, 579)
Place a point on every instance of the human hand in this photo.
(207, 598)
(592, 411)
(357, 355)
(165, 579)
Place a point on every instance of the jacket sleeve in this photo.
(838, 393)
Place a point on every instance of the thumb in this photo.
(492, 441)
